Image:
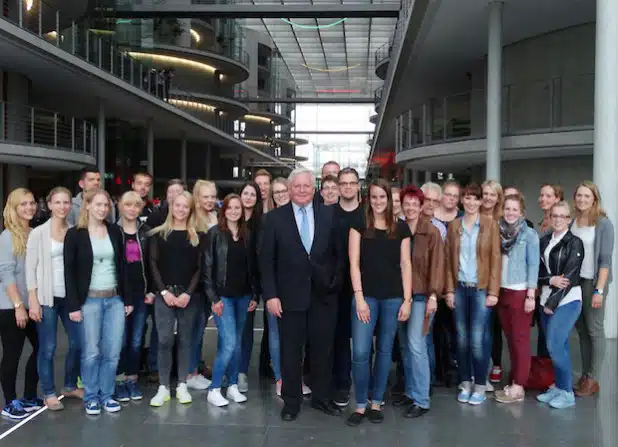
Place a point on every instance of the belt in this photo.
(468, 284)
(108, 293)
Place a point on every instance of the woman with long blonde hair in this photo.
(596, 231)
(15, 325)
(47, 298)
(548, 197)
(205, 199)
(94, 270)
(175, 265)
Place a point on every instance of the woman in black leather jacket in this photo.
(562, 254)
(231, 283)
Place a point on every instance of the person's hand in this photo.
(597, 300)
(491, 300)
(404, 311)
(217, 308)
(149, 298)
(252, 306)
(529, 305)
(362, 310)
(34, 308)
(548, 311)
(274, 307)
(76, 316)
(170, 299)
(21, 317)
(559, 281)
(128, 310)
(432, 305)
(182, 300)
(450, 300)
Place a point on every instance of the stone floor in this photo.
(594, 422)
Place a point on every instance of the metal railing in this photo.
(383, 52)
(556, 104)
(40, 127)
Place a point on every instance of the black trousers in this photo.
(317, 325)
(496, 347)
(12, 346)
(342, 355)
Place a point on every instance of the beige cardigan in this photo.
(38, 264)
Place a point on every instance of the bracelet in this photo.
(360, 290)
(433, 298)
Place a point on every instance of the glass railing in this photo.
(556, 104)
(40, 127)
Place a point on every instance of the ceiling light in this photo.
(191, 105)
(173, 60)
(257, 118)
(257, 142)
(196, 36)
(29, 4)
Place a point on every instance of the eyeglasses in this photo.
(560, 216)
(433, 201)
(347, 184)
(451, 195)
(280, 193)
(330, 188)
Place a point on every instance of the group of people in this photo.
(407, 277)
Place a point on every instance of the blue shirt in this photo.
(298, 215)
(467, 253)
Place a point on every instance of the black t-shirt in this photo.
(237, 270)
(135, 268)
(346, 220)
(380, 262)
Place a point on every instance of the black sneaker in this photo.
(15, 410)
(375, 416)
(414, 411)
(34, 404)
(355, 419)
(341, 398)
(403, 401)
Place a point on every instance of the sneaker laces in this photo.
(17, 404)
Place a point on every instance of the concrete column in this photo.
(606, 133)
(427, 176)
(101, 142)
(183, 159)
(415, 177)
(494, 91)
(17, 177)
(150, 151)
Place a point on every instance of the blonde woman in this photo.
(15, 325)
(205, 199)
(94, 271)
(175, 265)
(596, 231)
(47, 298)
(281, 195)
(548, 197)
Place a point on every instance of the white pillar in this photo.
(606, 133)
(150, 151)
(101, 142)
(494, 91)
(183, 159)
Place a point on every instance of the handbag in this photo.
(541, 373)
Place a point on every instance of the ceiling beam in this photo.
(321, 100)
(249, 10)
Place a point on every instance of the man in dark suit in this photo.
(301, 262)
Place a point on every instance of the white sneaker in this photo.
(198, 382)
(215, 398)
(243, 384)
(162, 396)
(306, 390)
(489, 387)
(278, 386)
(182, 394)
(234, 394)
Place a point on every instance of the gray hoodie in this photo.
(76, 208)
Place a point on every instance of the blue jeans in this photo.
(415, 355)
(431, 350)
(135, 323)
(274, 346)
(102, 332)
(472, 319)
(557, 328)
(230, 327)
(384, 313)
(201, 322)
(246, 345)
(47, 331)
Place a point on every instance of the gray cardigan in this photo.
(603, 247)
(12, 271)
(38, 264)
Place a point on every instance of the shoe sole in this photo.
(243, 390)
(31, 409)
(561, 407)
(13, 417)
(137, 397)
(221, 405)
(476, 403)
(463, 400)
(112, 410)
(342, 404)
(156, 405)
(93, 412)
(123, 399)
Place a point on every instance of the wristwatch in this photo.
(18, 305)
(163, 292)
(598, 292)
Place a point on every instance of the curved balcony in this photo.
(208, 103)
(377, 98)
(46, 139)
(265, 117)
(373, 119)
(45, 16)
(539, 119)
(381, 59)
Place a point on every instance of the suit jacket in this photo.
(291, 274)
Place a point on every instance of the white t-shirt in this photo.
(586, 234)
(57, 264)
(504, 281)
(575, 294)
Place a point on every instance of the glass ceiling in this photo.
(328, 56)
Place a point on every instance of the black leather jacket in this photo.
(142, 237)
(564, 259)
(215, 263)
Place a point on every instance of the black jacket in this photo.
(78, 260)
(287, 271)
(214, 272)
(564, 259)
(144, 246)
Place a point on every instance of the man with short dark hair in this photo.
(89, 179)
(329, 190)
(330, 168)
(141, 184)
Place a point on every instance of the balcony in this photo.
(45, 138)
(377, 98)
(382, 58)
(558, 104)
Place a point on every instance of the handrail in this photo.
(383, 52)
(40, 127)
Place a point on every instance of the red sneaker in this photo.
(495, 375)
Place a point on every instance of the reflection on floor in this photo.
(593, 422)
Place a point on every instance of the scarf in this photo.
(508, 234)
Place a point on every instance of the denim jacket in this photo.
(524, 257)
